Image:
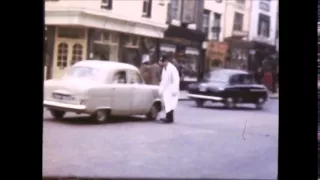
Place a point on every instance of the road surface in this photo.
(202, 143)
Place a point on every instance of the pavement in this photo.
(210, 142)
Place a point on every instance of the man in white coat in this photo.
(169, 88)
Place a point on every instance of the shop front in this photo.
(79, 35)
(238, 54)
(184, 46)
(264, 56)
(64, 46)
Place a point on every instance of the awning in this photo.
(189, 34)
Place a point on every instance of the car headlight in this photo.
(220, 89)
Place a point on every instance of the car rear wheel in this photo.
(230, 103)
(154, 111)
(259, 104)
(199, 102)
(101, 116)
(56, 114)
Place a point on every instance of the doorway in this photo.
(67, 52)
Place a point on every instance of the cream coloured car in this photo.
(101, 89)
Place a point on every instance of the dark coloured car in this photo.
(230, 87)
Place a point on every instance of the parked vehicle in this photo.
(228, 86)
(101, 89)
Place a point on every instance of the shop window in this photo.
(76, 53)
(106, 36)
(71, 32)
(62, 55)
(114, 37)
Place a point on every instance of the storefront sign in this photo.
(217, 50)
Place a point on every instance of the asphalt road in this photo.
(202, 143)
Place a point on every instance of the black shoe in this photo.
(164, 120)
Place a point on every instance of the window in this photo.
(241, 79)
(205, 22)
(174, 9)
(71, 32)
(146, 8)
(62, 55)
(135, 78)
(216, 76)
(241, 1)
(120, 78)
(216, 26)
(76, 53)
(238, 21)
(216, 19)
(264, 25)
(83, 72)
(106, 4)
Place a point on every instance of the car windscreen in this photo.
(82, 72)
(216, 76)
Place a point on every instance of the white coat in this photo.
(169, 87)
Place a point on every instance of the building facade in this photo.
(263, 31)
(237, 20)
(213, 25)
(101, 29)
(184, 37)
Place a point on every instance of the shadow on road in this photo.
(86, 120)
(221, 107)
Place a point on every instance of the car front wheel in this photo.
(101, 116)
(259, 104)
(230, 103)
(154, 111)
(56, 114)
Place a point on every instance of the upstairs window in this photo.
(106, 4)
(205, 21)
(238, 21)
(146, 8)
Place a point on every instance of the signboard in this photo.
(217, 50)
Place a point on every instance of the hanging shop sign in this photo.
(216, 50)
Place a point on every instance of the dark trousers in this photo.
(170, 116)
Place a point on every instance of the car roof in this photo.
(231, 71)
(105, 65)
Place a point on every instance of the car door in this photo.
(141, 94)
(238, 91)
(243, 84)
(121, 94)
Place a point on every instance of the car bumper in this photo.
(205, 97)
(64, 106)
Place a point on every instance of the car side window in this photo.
(234, 79)
(241, 79)
(245, 79)
(120, 78)
(135, 78)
